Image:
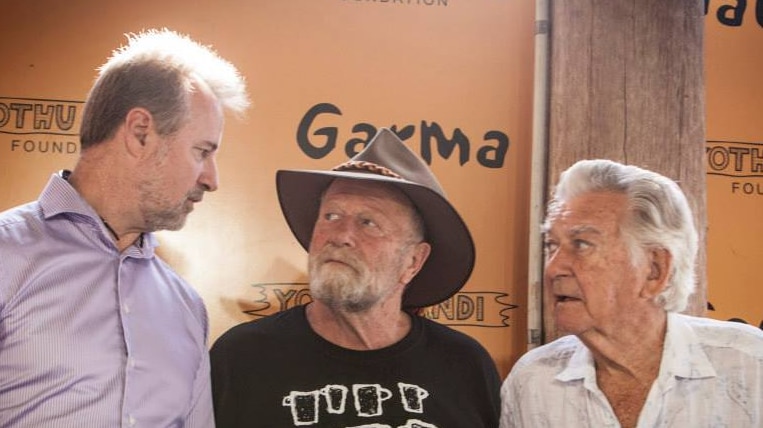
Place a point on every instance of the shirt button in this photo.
(131, 420)
(126, 308)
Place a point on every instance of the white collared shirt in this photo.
(711, 375)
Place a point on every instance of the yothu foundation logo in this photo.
(33, 125)
(741, 163)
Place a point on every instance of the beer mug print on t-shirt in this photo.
(304, 406)
(369, 398)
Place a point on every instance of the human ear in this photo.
(419, 256)
(660, 262)
(138, 123)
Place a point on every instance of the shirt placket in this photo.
(129, 417)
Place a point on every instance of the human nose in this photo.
(208, 177)
(342, 232)
(557, 263)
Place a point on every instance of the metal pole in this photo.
(538, 176)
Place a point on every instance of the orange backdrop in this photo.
(734, 153)
(436, 70)
(452, 76)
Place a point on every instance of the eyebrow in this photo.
(210, 145)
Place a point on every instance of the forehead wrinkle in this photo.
(584, 228)
(563, 216)
(376, 195)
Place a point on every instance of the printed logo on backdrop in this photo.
(737, 12)
(318, 136)
(476, 309)
(738, 163)
(44, 126)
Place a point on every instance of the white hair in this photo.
(660, 217)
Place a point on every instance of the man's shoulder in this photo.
(448, 336)
(19, 217)
(23, 235)
(728, 335)
(553, 354)
(537, 368)
(269, 327)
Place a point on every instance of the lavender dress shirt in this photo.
(89, 336)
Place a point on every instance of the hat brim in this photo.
(451, 260)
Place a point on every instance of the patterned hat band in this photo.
(367, 167)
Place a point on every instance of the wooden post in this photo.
(626, 83)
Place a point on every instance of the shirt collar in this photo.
(579, 366)
(682, 356)
(59, 197)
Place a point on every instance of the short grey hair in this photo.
(660, 217)
(157, 70)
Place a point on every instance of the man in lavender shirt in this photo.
(95, 329)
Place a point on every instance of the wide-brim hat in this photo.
(386, 159)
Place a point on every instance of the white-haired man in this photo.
(620, 253)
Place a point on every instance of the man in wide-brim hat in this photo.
(382, 241)
(388, 160)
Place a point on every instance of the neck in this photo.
(634, 351)
(375, 328)
(97, 181)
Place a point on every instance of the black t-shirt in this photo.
(277, 372)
